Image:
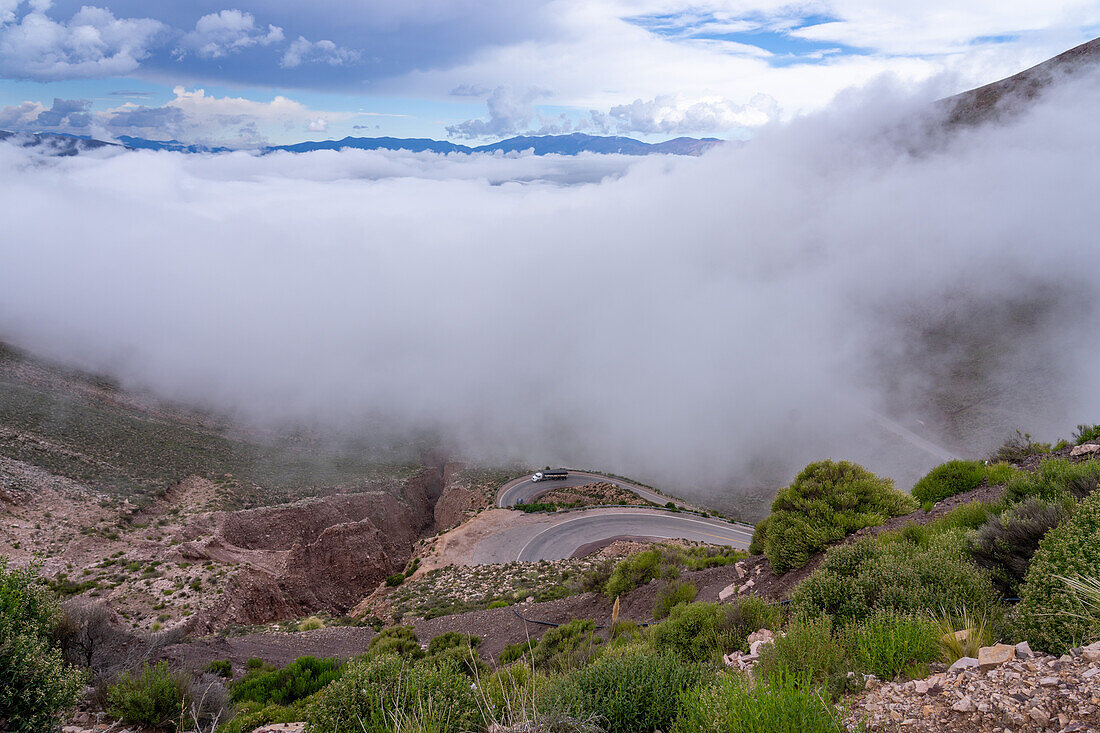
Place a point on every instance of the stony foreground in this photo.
(1017, 691)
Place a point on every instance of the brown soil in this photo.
(600, 492)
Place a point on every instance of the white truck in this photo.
(551, 475)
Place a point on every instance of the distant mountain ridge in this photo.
(574, 144)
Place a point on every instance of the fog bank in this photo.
(707, 323)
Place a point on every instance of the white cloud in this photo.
(93, 43)
(194, 116)
(20, 116)
(322, 52)
(673, 115)
(510, 112)
(225, 32)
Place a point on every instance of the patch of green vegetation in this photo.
(705, 631)
(826, 502)
(663, 562)
(734, 705)
(1005, 544)
(635, 689)
(1050, 615)
(152, 697)
(1086, 434)
(29, 656)
(888, 645)
(907, 571)
(957, 477)
(673, 594)
(298, 680)
(1019, 448)
(383, 693)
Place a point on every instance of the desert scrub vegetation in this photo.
(706, 631)
(1086, 434)
(1057, 480)
(907, 571)
(957, 477)
(826, 502)
(735, 705)
(457, 589)
(29, 657)
(153, 697)
(1050, 615)
(673, 594)
(636, 688)
(383, 693)
(1005, 544)
(662, 562)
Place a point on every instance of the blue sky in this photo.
(256, 71)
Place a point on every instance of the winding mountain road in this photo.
(562, 534)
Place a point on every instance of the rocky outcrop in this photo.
(315, 555)
(457, 500)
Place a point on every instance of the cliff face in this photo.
(315, 555)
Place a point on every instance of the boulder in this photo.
(1092, 652)
(1023, 650)
(727, 592)
(990, 657)
(1084, 450)
(963, 663)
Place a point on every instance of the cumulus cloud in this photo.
(321, 52)
(701, 322)
(68, 112)
(225, 32)
(195, 116)
(672, 115)
(510, 112)
(93, 43)
(20, 116)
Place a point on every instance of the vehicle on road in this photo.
(548, 475)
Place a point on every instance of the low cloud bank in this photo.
(711, 324)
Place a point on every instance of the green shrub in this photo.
(759, 537)
(1049, 613)
(1057, 480)
(637, 570)
(1086, 434)
(299, 679)
(809, 653)
(379, 694)
(311, 624)
(153, 697)
(399, 640)
(220, 667)
(451, 640)
(887, 645)
(705, 631)
(253, 664)
(948, 479)
(825, 503)
(29, 659)
(734, 705)
(673, 594)
(1005, 544)
(514, 652)
(635, 690)
(395, 580)
(567, 646)
(661, 562)
(896, 573)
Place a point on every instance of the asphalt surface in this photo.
(561, 535)
(577, 529)
(523, 490)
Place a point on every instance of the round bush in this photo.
(825, 503)
(152, 697)
(949, 479)
(1049, 615)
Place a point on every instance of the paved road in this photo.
(523, 490)
(574, 530)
